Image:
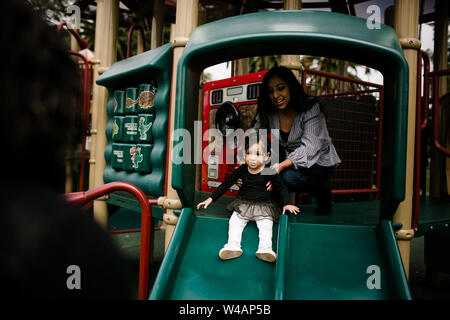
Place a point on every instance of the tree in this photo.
(53, 11)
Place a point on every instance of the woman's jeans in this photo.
(315, 180)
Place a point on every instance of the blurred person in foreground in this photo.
(42, 235)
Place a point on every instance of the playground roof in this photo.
(216, 9)
(288, 32)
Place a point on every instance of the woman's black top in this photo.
(284, 135)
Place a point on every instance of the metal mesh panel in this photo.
(353, 110)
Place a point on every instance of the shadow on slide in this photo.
(315, 261)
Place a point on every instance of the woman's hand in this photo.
(268, 184)
(205, 203)
(278, 167)
(291, 209)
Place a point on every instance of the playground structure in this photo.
(192, 250)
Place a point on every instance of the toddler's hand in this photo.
(291, 209)
(205, 203)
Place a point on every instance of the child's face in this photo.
(255, 156)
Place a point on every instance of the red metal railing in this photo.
(354, 114)
(426, 85)
(130, 36)
(81, 42)
(422, 107)
(435, 75)
(82, 198)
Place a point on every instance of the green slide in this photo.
(320, 261)
(315, 261)
(192, 268)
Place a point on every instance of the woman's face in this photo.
(279, 92)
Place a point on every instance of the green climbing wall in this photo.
(138, 108)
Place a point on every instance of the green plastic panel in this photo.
(138, 108)
(434, 213)
(301, 32)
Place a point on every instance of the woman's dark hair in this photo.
(300, 101)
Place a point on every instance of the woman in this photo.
(306, 154)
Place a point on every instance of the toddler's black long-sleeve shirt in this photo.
(254, 186)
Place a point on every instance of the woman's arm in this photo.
(282, 165)
(314, 134)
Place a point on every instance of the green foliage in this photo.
(54, 12)
(51, 10)
(256, 63)
(329, 65)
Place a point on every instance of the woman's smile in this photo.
(280, 101)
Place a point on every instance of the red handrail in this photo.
(426, 87)
(81, 42)
(81, 198)
(435, 75)
(420, 126)
(422, 106)
(130, 34)
(343, 78)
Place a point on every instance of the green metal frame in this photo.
(300, 32)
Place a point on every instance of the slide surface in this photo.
(343, 262)
(315, 261)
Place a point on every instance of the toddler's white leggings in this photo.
(237, 225)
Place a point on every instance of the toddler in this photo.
(253, 202)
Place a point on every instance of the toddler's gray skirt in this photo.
(254, 211)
